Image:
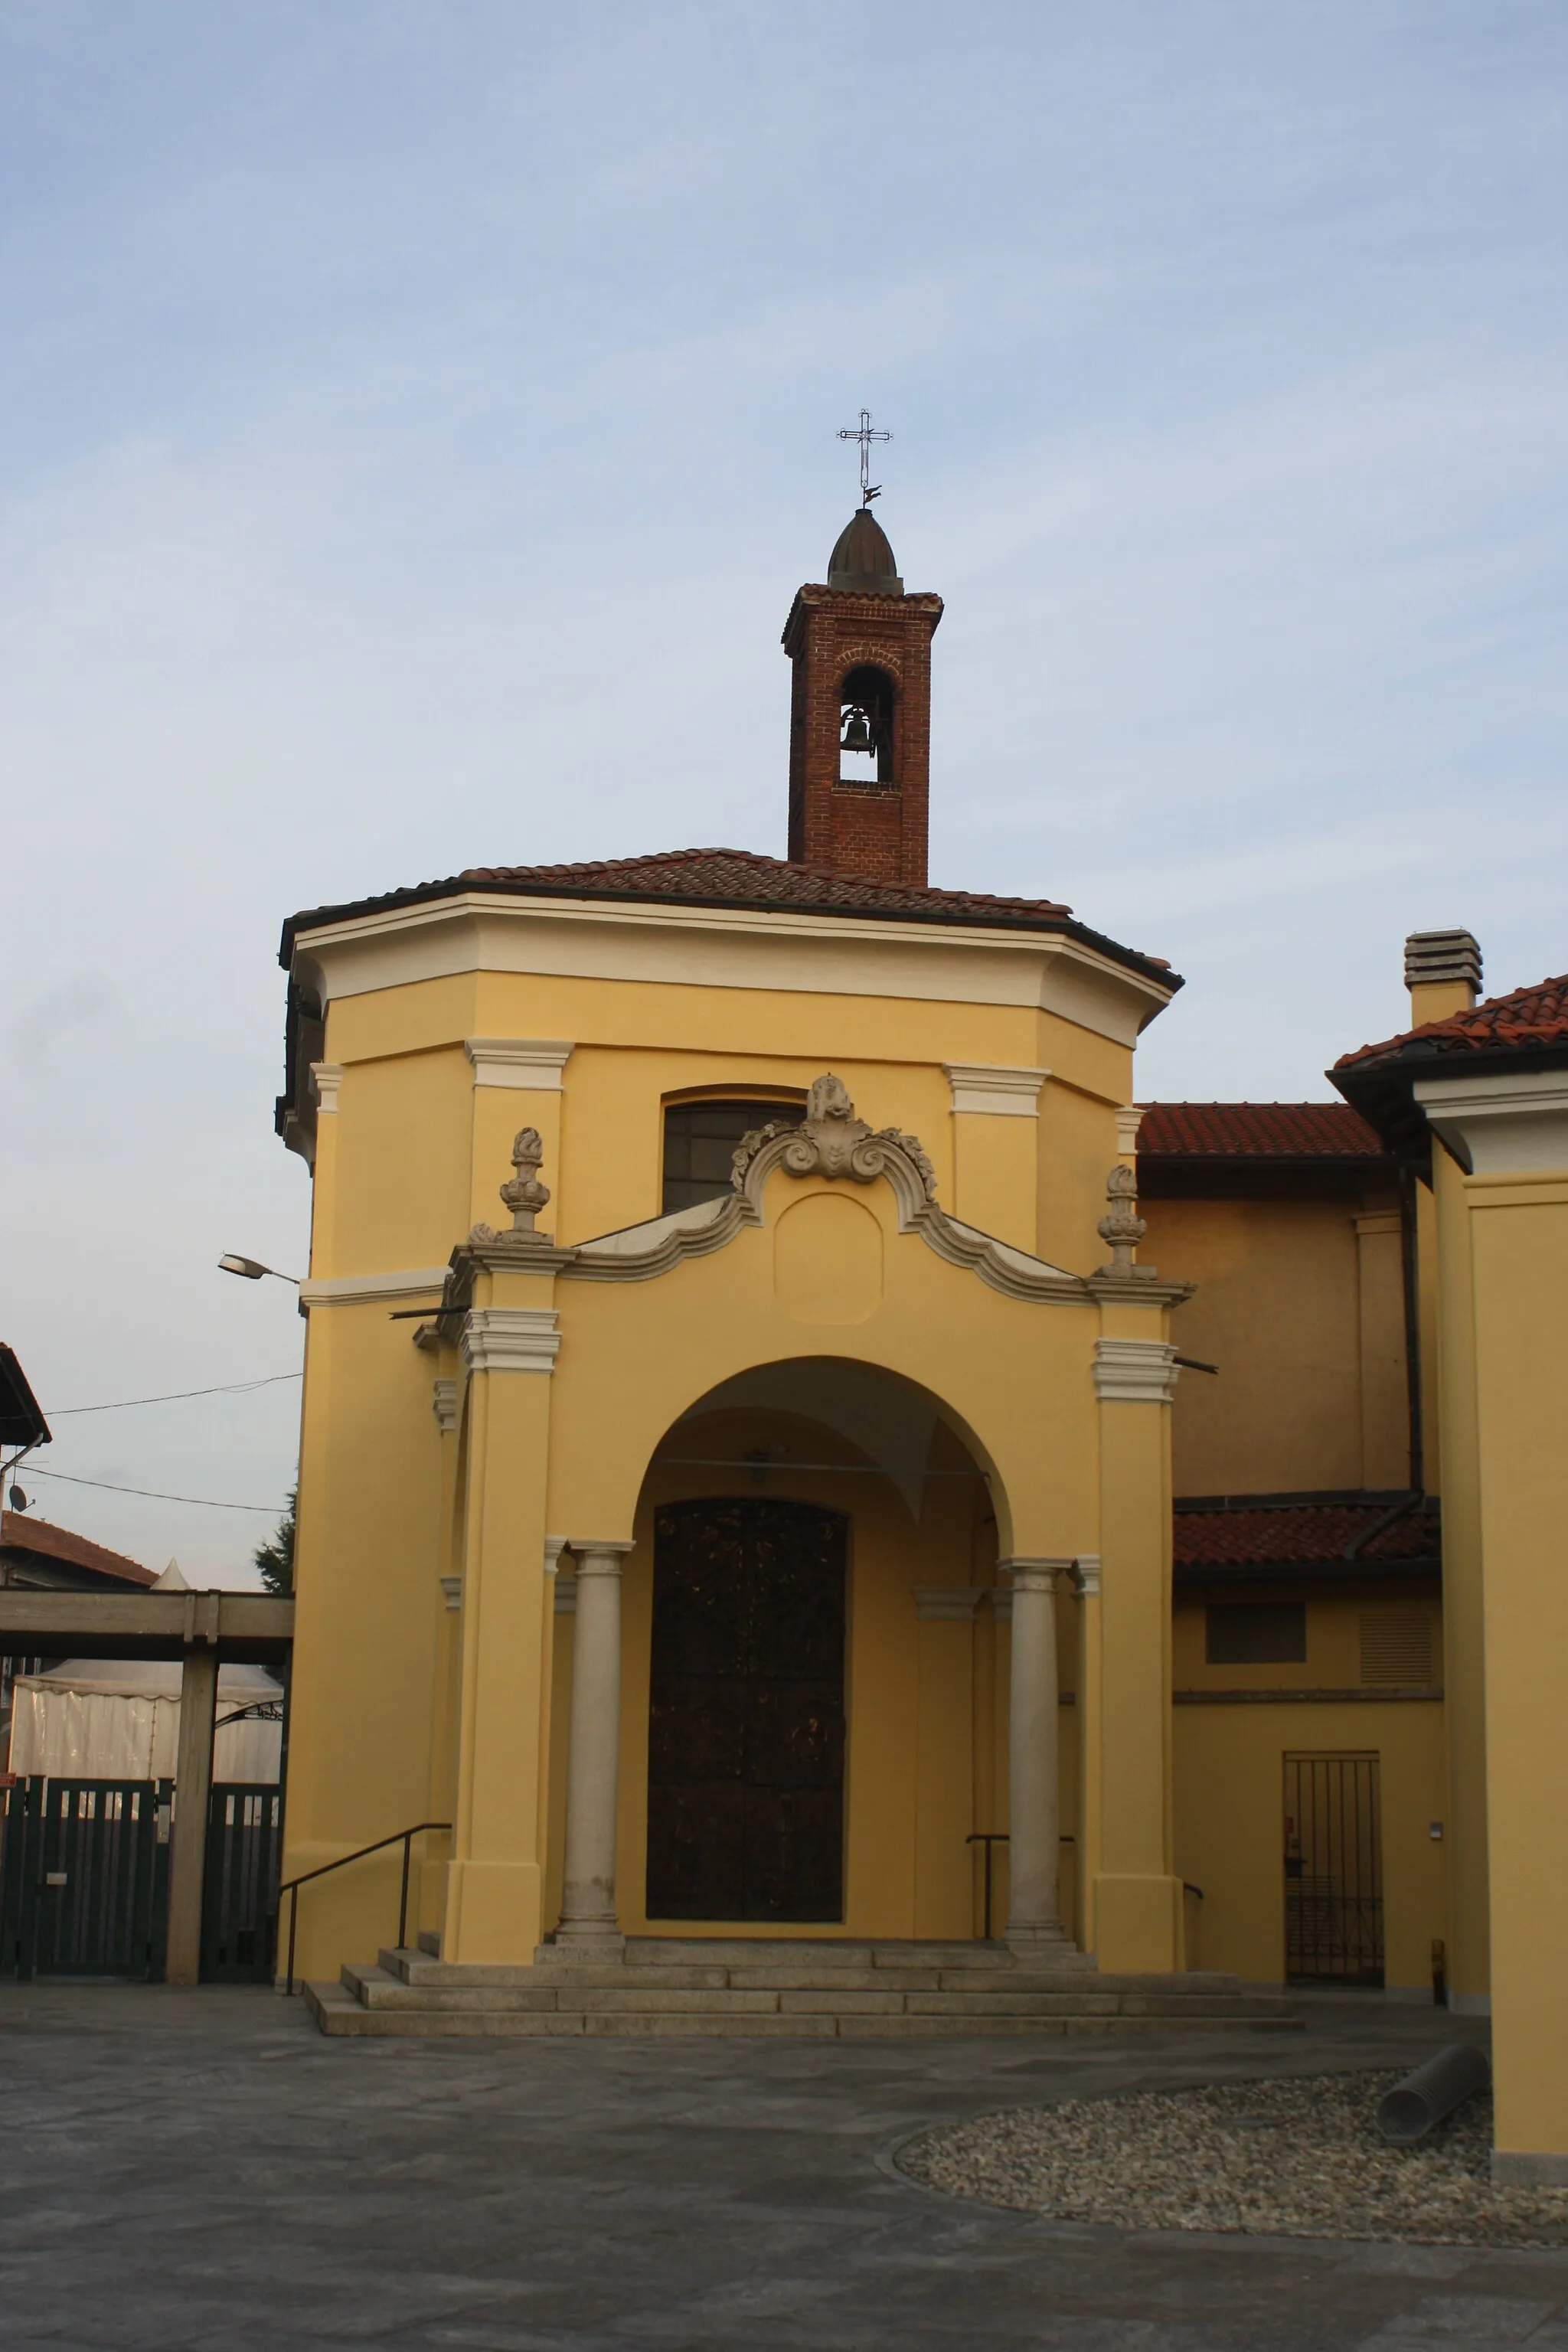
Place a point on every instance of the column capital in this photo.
(994, 1089)
(947, 1603)
(599, 1558)
(511, 1338)
(1086, 1576)
(1032, 1574)
(553, 1547)
(444, 1404)
(532, 1064)
(1135, 1371)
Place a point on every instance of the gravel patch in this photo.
(1297, 2159)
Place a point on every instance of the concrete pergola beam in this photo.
(243, 1628)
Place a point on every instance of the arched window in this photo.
(866, 700)
(700, 1139)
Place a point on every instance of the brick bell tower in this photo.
(859, 754)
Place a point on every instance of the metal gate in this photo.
(84, 1890)
(1333, 1870)
(84, 1880)
(240, 1892)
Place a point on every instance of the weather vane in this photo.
(865, 436)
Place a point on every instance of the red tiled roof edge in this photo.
(58, 1543)
(1304, 1535)
(1326, 1130)
(743, 879)
(1532, 1018)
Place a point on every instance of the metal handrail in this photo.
(291, 1886)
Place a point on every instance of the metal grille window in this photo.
(1333, 1870)
(700, 1139)
(1395, 1646)
(1256, 1633)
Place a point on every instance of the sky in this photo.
(417, 420)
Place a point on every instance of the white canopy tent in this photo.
(119, 1718)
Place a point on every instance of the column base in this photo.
(584, 1940)
(1037, 1942)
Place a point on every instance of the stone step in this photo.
(804, 1951)
(338, 2012)
(380, 1988)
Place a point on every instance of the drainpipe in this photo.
(1412, 1325)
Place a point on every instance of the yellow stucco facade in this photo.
(1108, 1533)
(986, 1403)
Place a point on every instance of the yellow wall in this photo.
(1230, 1808)
(1304, 1316)
(404, 1710)
(1519, 1245)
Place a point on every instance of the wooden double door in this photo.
(746, 1730)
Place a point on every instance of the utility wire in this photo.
(156, 1494)
(122, 1404)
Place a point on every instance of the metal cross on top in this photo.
(865, 436)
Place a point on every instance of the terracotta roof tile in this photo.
(741, 878)
(1255, 1131)
(1527, 1017)
(1302, 1534)
(19, 1534)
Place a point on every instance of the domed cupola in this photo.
(863, 564)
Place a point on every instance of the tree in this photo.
(275, 1558)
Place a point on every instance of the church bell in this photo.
(857, 736)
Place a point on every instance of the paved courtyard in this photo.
(203, 2169)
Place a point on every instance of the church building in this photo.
(795, 1459)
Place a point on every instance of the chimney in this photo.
(1443, 974)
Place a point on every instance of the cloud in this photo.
(81, 1000)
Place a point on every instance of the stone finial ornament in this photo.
(1123, 1228)
(831, 1141)
(522, 1193)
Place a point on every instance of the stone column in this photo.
(1034, 1919)
(193, 1799)
(588, 1922)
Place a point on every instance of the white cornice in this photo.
(1508, 1120)
(452, 1586)
(1135, 1372)
(994, 1090)
(444, 1404)
(511, 1338)
(533, 1064)
(326, 1078)
(366, 1289)
(786, 949)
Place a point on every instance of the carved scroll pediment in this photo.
(832, 1141)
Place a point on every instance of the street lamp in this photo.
(252, 1269)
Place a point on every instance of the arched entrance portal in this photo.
(746, 1710)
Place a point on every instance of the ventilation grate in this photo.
(1395, 1646)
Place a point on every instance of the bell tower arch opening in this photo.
(866, 745)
